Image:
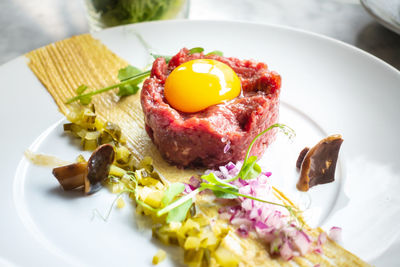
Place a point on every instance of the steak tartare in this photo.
(220, 133)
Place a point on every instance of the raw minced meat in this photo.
(220, 133)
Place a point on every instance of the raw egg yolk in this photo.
(197, 84)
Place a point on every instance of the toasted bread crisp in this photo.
(67, 64)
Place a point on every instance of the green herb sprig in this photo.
(130, 77)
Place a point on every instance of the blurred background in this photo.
(26, 25)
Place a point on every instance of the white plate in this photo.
(328, 87)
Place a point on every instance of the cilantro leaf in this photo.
(172, 191)
(179, 213)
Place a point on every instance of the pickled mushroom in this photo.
(88, 174)
(317, 165)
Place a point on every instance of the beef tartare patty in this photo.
(220, 133)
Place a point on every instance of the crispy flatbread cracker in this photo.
(65, 65)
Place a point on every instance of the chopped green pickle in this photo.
(113, 130)
(159, 257)
(176, 217)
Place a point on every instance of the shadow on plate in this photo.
(72, 140)
(71, 194)
(390, 257)
(381, 42)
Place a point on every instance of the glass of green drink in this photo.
(109, 13)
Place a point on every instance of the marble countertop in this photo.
(26, 25)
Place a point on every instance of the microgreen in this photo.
(133, 190)
(178, 202)
(155, 56)
(127, 86)
(172, 191)
(191, 51)
(216, 52)
(81, 89)
(127, 72)
(201, 49)
(250, 167)
(124, 75)
(196, 50)
(179, 213)
(225, 195)
(221, 192)
(107, 216)
(235, 192)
